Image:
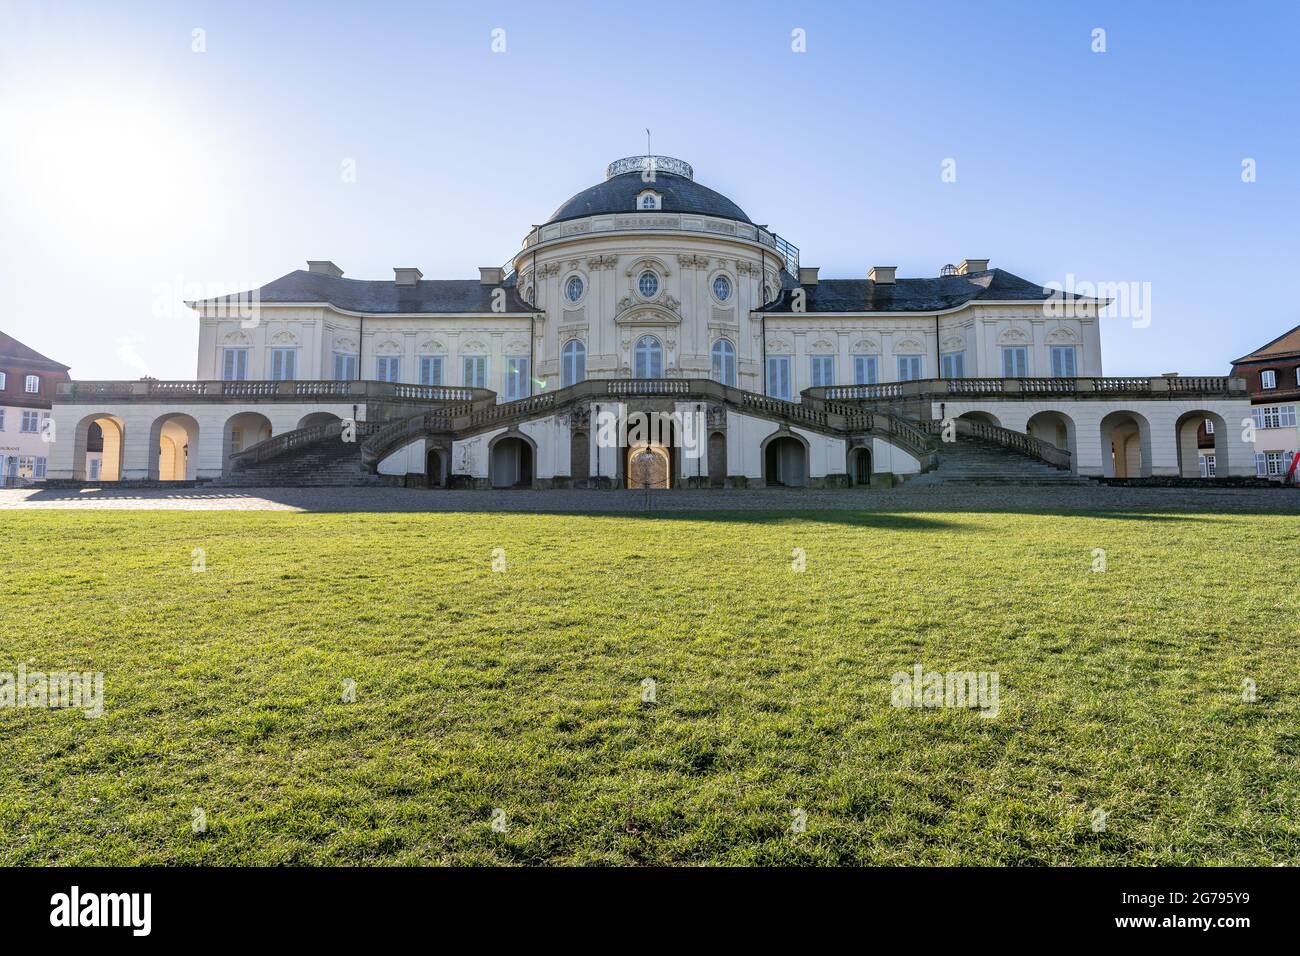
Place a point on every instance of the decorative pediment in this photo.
(1062, 336)
(866, 347)
(822, 346)
(516, 347)
(345, 345)
(954, 344)
(647, 313)
(908, 347)
(432, 347)
(474, 347)
(389, 347)
(647, 262)
(780, 347)
(1013, 337)
(236, 338)
(284, 337)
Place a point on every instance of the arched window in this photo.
(724, 362)
(649, 357)
(574, 364)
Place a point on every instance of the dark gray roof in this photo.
(619, 195)
(912, 295)
(385, 296)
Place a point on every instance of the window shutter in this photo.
(1260, 468)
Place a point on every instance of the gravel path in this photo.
(920, 498)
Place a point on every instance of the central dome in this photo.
(626, 180)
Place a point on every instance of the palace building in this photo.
(650, 294)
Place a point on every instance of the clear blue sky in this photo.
(131, 166)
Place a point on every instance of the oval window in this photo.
(573, 288)
(648, 284)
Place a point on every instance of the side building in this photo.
(1272, 376)
(28, 381)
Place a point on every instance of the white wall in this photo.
(1162, 417)
(138, 419)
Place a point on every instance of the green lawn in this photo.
(522, 689)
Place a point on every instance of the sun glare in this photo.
(96, 165)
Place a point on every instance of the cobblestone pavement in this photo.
(920, 498)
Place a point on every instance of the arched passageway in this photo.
(100, 442)
(510, 463)
(435, 472)
(785, 462)
(317, 418)
(859, 466)
(173, 447)
(1125, 445)
(243, 431)
(1202, 440)
(1055, 428)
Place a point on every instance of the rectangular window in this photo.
(31, 422)
(345, 367)
(778, 377)
(475, 371)
(864, 370)
(2, 419)
(234, 365)
(1268, 379)
(1063, 365)
(95, 465)
(284, 365)
(431, 370)
(388, 368)
(1273, 463)
(32, 385)
(39, 470)
(1209, 426)
(516, 379)
(953, 364)
(4, 380)
(909, 368)
(1015, 362)
(1207, 466)
(822, 370)
(1274, 416)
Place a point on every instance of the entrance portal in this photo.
(647, 467)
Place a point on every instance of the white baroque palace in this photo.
(648, 293)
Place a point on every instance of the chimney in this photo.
(808, 275)
(882, 275)
(967, 266)
(490, 275)
(324, 267)
(407, 276)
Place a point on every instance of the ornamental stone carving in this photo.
(596, 263)
(389, 347)
(432, 347)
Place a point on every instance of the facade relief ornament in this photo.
(1011, 336)
(432, 347)
(595, 263)
(1061, 335)
(780, 346)
(908, 347)
(547, 269)
(866, 347)
(388, 347)
(236, 338)
(344, 345)
(284, 338)
(823, 347)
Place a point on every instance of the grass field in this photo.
(520, 690)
